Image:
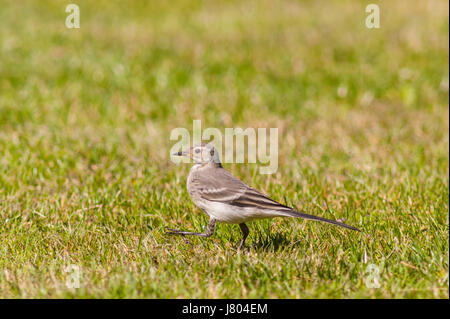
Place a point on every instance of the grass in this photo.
(85, 120)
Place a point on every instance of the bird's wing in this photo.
(225, 188)
(221, 186)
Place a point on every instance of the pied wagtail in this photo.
(226, 199)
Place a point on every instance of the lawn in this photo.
(86, 180)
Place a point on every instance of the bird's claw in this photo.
(187, 241)
(172, 231)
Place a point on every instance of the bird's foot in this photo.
(186, 241)
(241, 248)
(171, 231)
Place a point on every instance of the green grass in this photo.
(85, 120)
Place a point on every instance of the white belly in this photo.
(235, 215)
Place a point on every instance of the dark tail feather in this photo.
(294, 213)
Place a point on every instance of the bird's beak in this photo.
(180, 154)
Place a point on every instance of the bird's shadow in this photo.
(274, 241)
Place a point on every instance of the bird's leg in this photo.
(245, 232)
(209, 230)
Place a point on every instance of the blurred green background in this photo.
(85, 121)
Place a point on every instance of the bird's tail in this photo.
(294, 213)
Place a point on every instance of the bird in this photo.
(226, 199)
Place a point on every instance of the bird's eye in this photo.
(197, 150)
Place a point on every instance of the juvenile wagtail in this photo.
(228, 200)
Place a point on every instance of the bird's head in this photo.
(201, 154)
